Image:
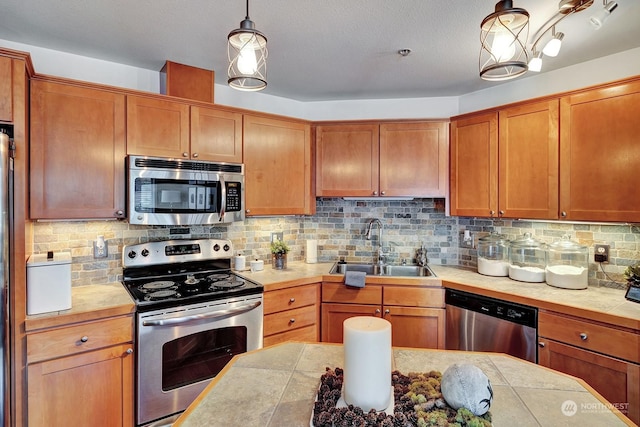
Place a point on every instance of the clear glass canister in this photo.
(567, 264)
(493, 255)
(527, 259)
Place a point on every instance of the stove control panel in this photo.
(170, 251)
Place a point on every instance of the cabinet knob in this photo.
(292, 320)
(387, 311)
(492, 213)
(375, 193)
(119, 213)
(195, 155)
(185, 154)
(583, 336)
(84, 338)
(382, 193)
(563, 214)
(129, 350)
(292, 300)
(501, 213)
(247, 211)
(377, 311)
(541, 344)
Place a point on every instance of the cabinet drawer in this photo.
(290, 319)
(285, 299)
(334, 292)
(413, 297)
(592, 336)
(78, 338)
(306, 334)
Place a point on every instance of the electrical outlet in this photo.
(276, 236)
(100, 249)
(601, 253)
(467, 240)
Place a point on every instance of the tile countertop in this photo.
(276, 386)
(596, 303)
(90, 302)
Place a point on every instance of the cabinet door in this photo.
(94, 388)
(277, 158)
(474, 166)
(414, 159)
(347, 159)
(216, 135)
(157, 127)
(616, 380)
(528, 161)
(6, 89)
(77, 152)
(416, 326)
(333, 315)
(599, 155)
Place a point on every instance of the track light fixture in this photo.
(503, 53)
(247, 52)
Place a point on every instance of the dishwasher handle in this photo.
(216, 314)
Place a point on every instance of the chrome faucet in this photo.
(381, 256)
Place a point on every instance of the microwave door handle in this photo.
(214, 315)
(223, 205)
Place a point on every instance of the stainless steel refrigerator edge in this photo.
(5, 211)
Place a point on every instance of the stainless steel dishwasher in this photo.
(478, 323)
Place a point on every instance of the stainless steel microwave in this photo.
(184, 192)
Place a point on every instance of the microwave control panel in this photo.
(234, 191)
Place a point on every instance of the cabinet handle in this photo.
(185, 154)
(375, 193)
(563, 214)
(84, 338)
(377, 311)
(292, 300)
(195, 155)
(292, 320)
(129, 350)
(583, 336)
(382, 193)
(541, 344)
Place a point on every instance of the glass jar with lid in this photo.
(567, 264)
(493, 255)
(527, 259)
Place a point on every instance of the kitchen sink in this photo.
(386, 270)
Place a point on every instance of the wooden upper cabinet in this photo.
(157, 127)
(277, 158)
(347, 160)
(6, 89)
(600, 154)
(382, 159)
(216, 135)
(77, 152)
(474, 165)
(414, 159)
(528, 161)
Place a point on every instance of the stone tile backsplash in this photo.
(339, 226)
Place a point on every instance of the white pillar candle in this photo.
(367, 362)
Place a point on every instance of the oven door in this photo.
(181, 349)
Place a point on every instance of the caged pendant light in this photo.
(503, 36)
(247, 52)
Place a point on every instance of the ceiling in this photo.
(318, 50)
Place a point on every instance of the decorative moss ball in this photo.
(466, 386)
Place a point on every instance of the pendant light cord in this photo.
(247, 17)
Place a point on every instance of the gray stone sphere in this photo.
(466, 386)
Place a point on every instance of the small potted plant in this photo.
(632, 274)
(279, 251)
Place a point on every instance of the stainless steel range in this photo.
(193, 315)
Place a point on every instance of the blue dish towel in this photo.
(355, 278)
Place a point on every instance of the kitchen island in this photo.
(276, 386)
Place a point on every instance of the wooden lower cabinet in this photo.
(81, 375)
(616, 380)
(417, 322)
(606, 357)
(292, 314)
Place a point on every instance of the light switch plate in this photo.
(276, 235)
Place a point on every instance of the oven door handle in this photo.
(214, 315)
